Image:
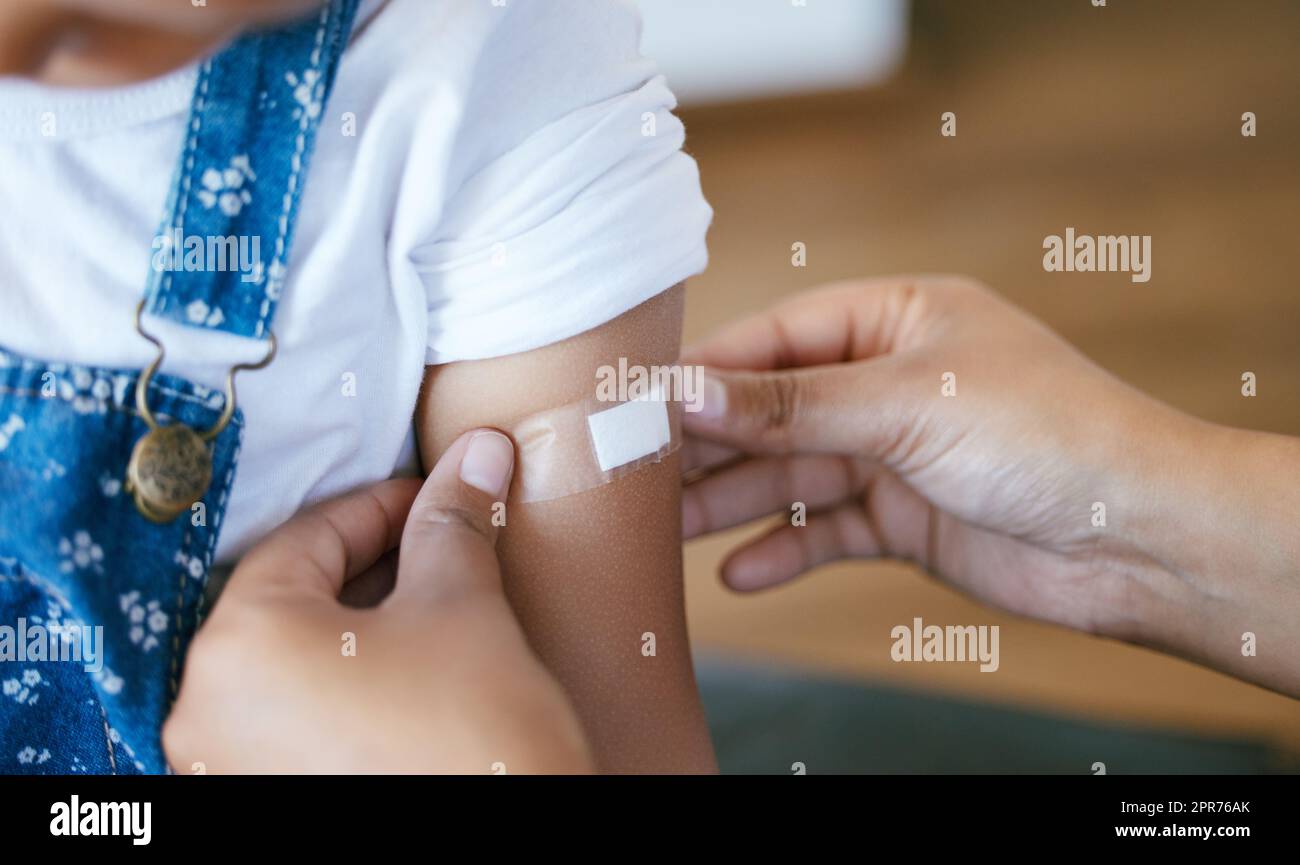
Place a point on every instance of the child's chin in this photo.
(217, 16)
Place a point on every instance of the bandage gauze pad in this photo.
(573, 448)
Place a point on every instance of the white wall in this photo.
(720, 50)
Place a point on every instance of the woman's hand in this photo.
(927, 419)
(437, 677)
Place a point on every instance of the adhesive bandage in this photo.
(576, 447)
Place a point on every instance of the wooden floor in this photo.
(1118, 120)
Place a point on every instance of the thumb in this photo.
(848, 408)
(449, 543)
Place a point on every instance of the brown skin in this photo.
(112, 42)
(988, 489)
(992, 489)
(589, 574)
(460, 683)
(440, 679)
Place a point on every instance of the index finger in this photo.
(842, 321)
(318, 550)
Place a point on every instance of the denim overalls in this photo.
(79, 560)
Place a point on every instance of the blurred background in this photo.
(820, 123)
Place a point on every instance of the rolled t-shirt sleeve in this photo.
(591, 209)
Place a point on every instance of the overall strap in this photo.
(221, 258)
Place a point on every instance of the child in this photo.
(470, 204)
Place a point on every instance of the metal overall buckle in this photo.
(171, 466)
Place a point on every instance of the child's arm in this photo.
(591, 573)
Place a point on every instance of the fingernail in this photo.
(713, 398)
(487, 463)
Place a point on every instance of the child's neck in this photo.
(63, 48)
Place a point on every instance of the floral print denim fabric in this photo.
(251, 133)
(77, 559)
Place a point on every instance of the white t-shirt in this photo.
(515, 178)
